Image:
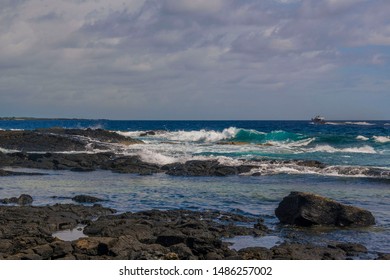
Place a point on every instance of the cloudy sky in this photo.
(195, 59)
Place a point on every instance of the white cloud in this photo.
(160, 53)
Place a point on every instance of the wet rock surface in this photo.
(306, 209)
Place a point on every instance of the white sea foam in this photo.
(301, 143)
(93, 127)
(381, 139)
(156, 157)
(8, 151)
(129, 133)
(273, 168)
(203, 135)
(349, 123)
(361, 137)
(90, 152)
(329, 149)
(359, 123)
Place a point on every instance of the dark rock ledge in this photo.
(60, 139)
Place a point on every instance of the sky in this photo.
(195, 59)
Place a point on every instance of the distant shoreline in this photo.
(41, 119)
(170, 120)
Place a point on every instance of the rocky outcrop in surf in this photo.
(85, 162)
(84, 150)
(204, 168)
(306, 209)
(60, 139)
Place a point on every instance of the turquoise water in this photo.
(343, 146)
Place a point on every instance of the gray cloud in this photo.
(171, 59)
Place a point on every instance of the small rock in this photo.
(255, 253)
(25, 199)
(383, 256)
(352, 249)
(86, 199)
(171, 256)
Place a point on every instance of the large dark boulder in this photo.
(306, 209)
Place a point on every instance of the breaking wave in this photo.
(202, 135)
(231, 134)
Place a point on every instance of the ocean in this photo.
(356, 171)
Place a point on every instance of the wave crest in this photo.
(381, 139)
(361, 137)
(329, 149)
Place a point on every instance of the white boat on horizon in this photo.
(318, 120)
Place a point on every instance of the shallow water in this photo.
(70, 234)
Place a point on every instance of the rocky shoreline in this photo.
(27, 233)
(85, 150)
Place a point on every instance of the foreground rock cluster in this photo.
(26, 232)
